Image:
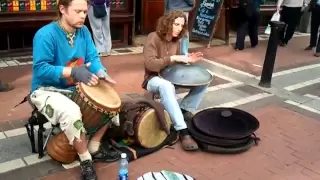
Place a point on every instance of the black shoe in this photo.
(309, 48)
(283, 44)
(238, 49)
(317, 54)
(106, 155)
(87, 170)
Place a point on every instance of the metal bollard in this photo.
(269, 60)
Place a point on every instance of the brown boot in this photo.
(188, 144)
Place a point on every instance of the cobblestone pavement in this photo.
(288, 113)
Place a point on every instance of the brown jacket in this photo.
(157, 54)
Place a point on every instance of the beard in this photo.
(77, 25)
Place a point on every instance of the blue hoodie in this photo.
(52, 53)
(181, 5)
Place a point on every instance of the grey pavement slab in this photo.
(14, 147)
(225, 72)
(33, 172)
(312, 89)
(222, 96)
(315, 104)
(295, 78)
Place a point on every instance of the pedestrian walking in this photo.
(290, 14)
(314, 8)
(249, 18)
(99, 19)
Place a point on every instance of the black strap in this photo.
(25, 99)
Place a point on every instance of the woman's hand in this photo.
(194, 57)
(179, 58)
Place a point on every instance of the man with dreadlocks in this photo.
(64, 53)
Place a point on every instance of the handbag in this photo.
(275, 17)
(99, 10)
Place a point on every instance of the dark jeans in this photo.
(315, 23)
(247, 25)
(290, 16)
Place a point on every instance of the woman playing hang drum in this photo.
(161, 50)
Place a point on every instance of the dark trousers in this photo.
(315, 23)
(247, 25)
(291, 16)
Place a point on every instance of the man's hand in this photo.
(82, 74)
(103, 75)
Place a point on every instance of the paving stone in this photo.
(14, 147)
(250, 90)
(34, 171)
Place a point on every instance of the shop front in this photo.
(20, 19)
(148, 11)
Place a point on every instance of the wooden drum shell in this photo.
(95, 114)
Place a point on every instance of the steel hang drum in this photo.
(187, 75)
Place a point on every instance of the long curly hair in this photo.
(165, 23)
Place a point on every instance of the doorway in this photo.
(147, 14)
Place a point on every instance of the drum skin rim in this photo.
(93, 102)
(189, 85)
(137, 127)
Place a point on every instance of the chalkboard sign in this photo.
(207, 13)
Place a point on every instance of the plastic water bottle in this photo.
(123, 167)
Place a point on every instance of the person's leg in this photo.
(57, 108)
(241, 35)
(295, 14)
(99, 153)
(171, 105)
(96, 26)
(284, 17)
(314, 30)
(107, 41)
(5, 87)
(315, 23)
(253, 27)
(190, 103)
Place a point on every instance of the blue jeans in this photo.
(168, 98)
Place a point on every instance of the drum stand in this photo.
(38, 119)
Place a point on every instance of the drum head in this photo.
(148, 130)
(186, 75)
(102, 95)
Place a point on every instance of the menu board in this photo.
(27, 5)
(207, 13)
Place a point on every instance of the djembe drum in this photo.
(147, 131)
(144, 121)
(98, 105)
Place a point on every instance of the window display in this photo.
(27, 5)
